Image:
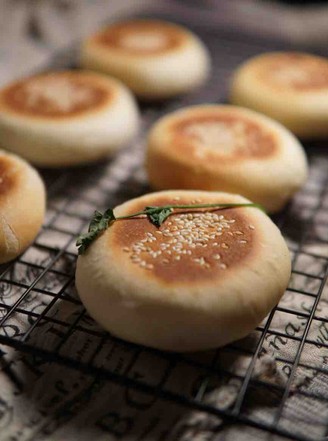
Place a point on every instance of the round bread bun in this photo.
(226, 148)
(22, 205)
(66, 118)
(154, 58)
(202, 279)
(287, 86)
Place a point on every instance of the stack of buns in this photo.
(203, 276)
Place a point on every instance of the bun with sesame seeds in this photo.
(66, 118)
(226, 148)
(154, 58)
(291, 87)
(22, 205)
(204, 278)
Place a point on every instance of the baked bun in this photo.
(287, 86)
(201, 280)
(66, 118)
(155, 59)
(22, 205)
(226, 148)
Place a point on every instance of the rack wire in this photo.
(41, 314)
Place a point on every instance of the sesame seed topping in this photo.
(186, 236)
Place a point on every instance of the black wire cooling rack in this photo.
(36, 288)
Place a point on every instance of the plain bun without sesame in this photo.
(155, 59)
(226, 148)
(290, 87)
(66, 118)
(202, 279)
(22, 205)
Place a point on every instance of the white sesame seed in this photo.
(181, 235)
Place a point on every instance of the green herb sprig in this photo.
(156, 215)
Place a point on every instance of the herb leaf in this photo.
(157, 215)
(99, 223)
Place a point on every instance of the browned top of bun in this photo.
(141, 37)
(191, 245)
(56, 94)
(9, 175)
(229, 135)
(293, 70)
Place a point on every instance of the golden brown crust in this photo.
(294, 71)
(141, 37)
(9, 176)
(190, 246)
(56, 95)
(228, 136)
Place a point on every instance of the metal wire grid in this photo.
(34, 286)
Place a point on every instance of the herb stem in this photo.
(211, 206)
(156, 215)
(187, 206)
